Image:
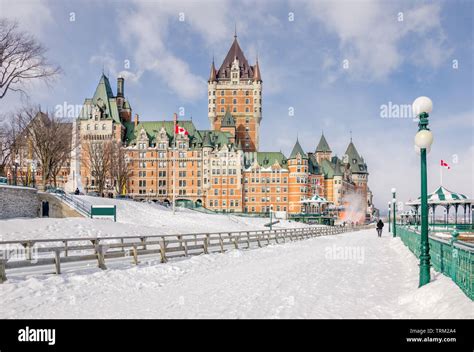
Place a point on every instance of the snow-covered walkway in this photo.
(353, 275)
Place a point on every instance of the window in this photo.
(234, 101)
(222, 101)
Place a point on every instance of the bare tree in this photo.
(63, 156)
(8, 134)
(120, 167)
(99, 160)
(21, 59)
(48, 138)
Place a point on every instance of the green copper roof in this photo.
(356, 163)
(104, 99)
(297, 149)
(197, 138)
(313, 165)
(323, 145)
(228, 120)
(337, 167)
(152, 128)
(206, 142)
(332, 168)
(266, 159)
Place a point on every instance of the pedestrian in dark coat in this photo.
(379, 227)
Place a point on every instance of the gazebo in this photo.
(314, 204)
(408, 217)
(448, 200)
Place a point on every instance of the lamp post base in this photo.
(425, 276)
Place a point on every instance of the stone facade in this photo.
(18, 202)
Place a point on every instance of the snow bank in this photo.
(133, 218)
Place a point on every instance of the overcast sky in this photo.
(336, 64)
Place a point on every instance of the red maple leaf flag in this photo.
(445, 164)
(180, 130)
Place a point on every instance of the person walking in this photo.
(379, 227)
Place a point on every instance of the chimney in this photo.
(120, 83)
(135, 121)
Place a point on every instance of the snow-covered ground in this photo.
(133, 218)
(352, 275)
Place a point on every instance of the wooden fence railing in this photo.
(54, 252)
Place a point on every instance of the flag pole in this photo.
(441, 175)
(174, 163)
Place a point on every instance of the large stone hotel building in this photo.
(220, 168)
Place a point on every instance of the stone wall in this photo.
(16, 202)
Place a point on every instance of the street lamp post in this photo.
(271, 211)
(394, 208)
(422, 107)
(389, 211)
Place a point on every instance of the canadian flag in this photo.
(445, 164)
(180, 130)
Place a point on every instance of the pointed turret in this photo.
(356, 163)
(212, 75)
(256, 73)
(297, 150)
(103, 90)
(323, 146)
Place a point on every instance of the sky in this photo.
(342, 67)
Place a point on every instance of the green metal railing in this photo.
(454, 258)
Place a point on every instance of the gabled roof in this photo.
(153, 128)
(355, 161)
(235, 52)
(297, 150)
(323, 145)
(228, 120)
(265, 159)
(197, 138)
